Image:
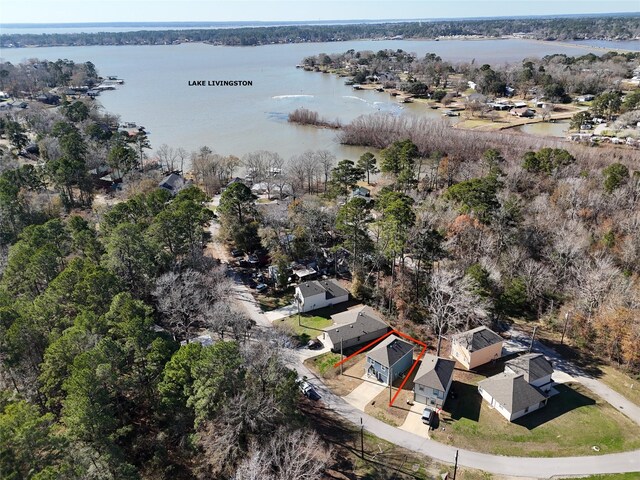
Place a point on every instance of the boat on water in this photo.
(349, 82)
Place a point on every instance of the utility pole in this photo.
(564, 330)
(533, 338)
(455, 466)
(390, 382)
(361, 439)
(341, 355)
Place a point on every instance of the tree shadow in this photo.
(467, 401)
(567, 400)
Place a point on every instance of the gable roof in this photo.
(331, 287)
(310, 289)
(172, 181)
(390, 350)
(355, 323)
(477, 339)
(513, 392)
(532, 365)
(435, 372)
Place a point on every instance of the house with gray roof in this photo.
(173, 182)
(389, 360)
(433, 380)
(319, 294)
(535, 367)
(476, 347)
(354, 327)
(511, 395)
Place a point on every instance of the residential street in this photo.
(502, 465)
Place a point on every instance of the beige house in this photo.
(476, 347)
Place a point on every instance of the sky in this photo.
(76, 11)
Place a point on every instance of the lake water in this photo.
(237, 120)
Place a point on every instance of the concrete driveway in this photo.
(280, 313)
(413, 422)
(361, 396)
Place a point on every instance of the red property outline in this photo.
(404, 335)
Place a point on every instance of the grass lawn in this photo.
(339, 384)
(621, 383)
(310, 326)
(572, 422)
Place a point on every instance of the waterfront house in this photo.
(476, 347)
(319, 294)
(433, 380)
(389, 360)
(354, 327)
(173, 182)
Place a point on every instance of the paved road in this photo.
(619, 402)
(497, 464)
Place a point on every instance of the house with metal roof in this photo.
(433, 380)
(389, 360)
(535, 367)
(319, 294)
(354, 327)
(511, 395)
(476, 347)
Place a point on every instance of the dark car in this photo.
(314, 344)
(308, 390)
(236, 253)
(428, 416)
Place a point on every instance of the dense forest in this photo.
(566, 28)
(102, 292)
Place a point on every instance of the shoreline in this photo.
(462, 38)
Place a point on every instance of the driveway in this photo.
(413, 422)
(496, 464)
(361, 396)
(280, 313)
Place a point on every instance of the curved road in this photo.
(497, 464)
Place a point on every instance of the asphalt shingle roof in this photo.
(513, 392)
(434, 372)
(355, 323)
(532, 365)
(390, 350)
(477, 339)
(316, 287)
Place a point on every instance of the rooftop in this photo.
(477, 339)
(532, 365)
(331, 287)
(513, 392)
(435, 372)
(355, 323)
(390, 350)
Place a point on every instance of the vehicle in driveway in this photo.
(235, 253)
(314, 344)
(261, 287)
(428, 415)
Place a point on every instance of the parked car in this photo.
(428, 416)
(236, 253)
(307, 389)
(314, 344)
(261, 287)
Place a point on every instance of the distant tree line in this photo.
(606, 27)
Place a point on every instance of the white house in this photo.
(535, 367)
(511, 395)
(319, 294)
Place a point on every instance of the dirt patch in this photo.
(396, 414)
